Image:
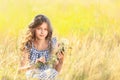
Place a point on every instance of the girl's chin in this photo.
(41, 38)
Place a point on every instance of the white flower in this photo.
(65, 41)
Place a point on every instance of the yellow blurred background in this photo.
(66, 16)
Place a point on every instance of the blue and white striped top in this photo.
(35, 54)
(44, 72)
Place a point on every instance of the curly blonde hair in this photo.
(30, 35)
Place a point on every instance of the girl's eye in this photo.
(38, 28)
(45, 29)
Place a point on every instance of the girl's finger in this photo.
(62, 52)
(60, 55)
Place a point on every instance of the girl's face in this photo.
(41, 31)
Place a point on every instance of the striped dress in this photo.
(44, 72)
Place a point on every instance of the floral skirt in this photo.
(48, 74)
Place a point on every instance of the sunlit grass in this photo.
(93, 56)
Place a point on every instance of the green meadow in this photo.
(91, 27)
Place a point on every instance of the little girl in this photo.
(38, 47)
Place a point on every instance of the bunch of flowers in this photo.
(63, 45)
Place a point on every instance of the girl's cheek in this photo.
(38, 31)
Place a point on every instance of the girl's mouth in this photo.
(42, 35)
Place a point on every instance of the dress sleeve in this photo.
(54, 42)
(27, 46)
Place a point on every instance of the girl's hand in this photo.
(59, 62)
(60, 57)
(41, 59)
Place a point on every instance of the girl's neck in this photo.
(41, 44)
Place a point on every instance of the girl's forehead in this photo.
(43, 25)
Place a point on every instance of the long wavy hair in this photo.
(30, 35)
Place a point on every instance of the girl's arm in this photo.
(60, 58)
(58, 65)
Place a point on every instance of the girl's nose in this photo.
(41, 31)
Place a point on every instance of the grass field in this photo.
(92, 28)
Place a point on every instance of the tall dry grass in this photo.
(94, 56)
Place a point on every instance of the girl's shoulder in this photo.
(28, 46)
